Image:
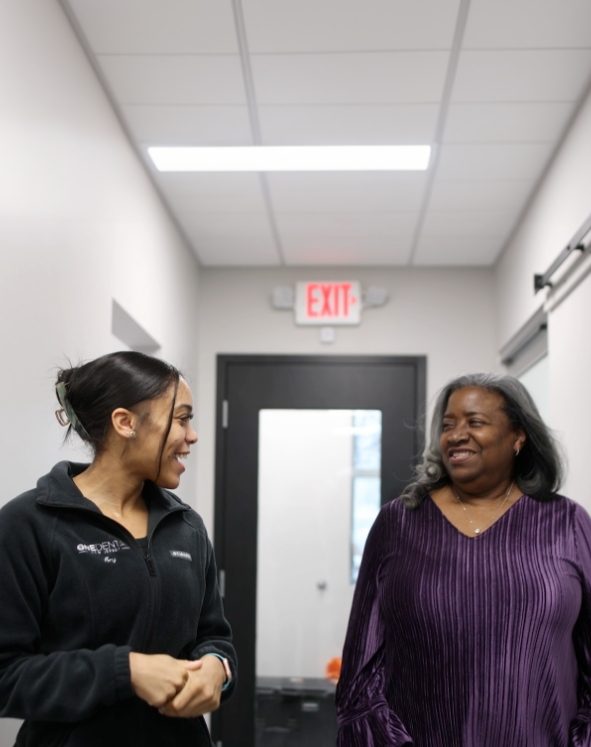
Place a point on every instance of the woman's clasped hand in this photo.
(177, 687)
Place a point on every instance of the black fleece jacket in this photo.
(78, 593)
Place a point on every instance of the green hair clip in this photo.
(67, 416)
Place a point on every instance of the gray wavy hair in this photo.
(538, 469)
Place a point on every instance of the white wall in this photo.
(559, 208)
(447, 315)
(570, 379)
(80, 225)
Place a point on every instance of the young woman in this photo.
(112, 628)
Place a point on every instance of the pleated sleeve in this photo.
(364, 716)
(580, 728)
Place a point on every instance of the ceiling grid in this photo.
(441, 122)
(253, 114)
(491, 85)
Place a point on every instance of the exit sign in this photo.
(328, 302)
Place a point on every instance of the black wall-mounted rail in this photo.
(574, 245)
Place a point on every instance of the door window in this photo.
(318, 495)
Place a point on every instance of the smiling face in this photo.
(152, 428)
(478, 441)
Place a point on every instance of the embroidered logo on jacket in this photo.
(181, 554)
(102, 548)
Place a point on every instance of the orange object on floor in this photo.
(333, 669)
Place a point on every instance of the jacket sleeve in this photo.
(580, 727)
(214, 635)
(38, 685)
(364, 717)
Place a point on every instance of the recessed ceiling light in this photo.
(293, 158)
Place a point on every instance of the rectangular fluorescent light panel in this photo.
(293, 158)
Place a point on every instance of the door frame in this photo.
(224, 363)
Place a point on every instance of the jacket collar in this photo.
(58, 490)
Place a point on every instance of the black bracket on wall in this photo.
(574, 245)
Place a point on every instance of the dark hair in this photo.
(89, 393)
(537, 469)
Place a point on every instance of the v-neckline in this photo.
(474, 536)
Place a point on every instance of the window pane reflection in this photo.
(366, 490)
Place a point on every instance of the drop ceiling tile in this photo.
(229, 223)
(187, 207)
(458, 251)
(363, 78)
(348, 125)
(502, 161)
(522, 75)
(153, 26)
(479, 194)
(446, 224)
(361, 191)
(500, 122)
(189, 125)
(346, 250)
(348, 25)
(310, 226)
(223, 251)
(174, 79)
(528, 23)
(363, 238)
(212, 193)
(232, 239)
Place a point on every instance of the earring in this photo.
(131, 434)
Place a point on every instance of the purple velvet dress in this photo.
(456, 641)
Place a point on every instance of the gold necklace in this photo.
(478, 530)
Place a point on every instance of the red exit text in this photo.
(328, 303)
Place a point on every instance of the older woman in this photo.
(111, 623)
(471, 621)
